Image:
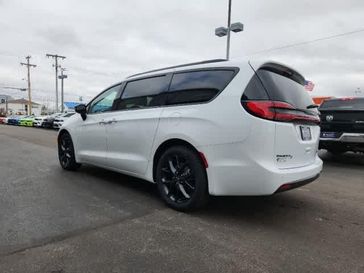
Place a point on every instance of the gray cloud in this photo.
(59, 35)
(105, 41)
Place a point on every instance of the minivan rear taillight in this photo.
(278, 111)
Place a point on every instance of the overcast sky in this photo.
(105, 41)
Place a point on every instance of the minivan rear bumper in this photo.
(231, 174)
(297, 184)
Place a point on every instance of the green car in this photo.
(27, 121)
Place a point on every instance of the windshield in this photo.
(283, 88)
(343, 104)
(68, 115)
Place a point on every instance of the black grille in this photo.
(342, 121)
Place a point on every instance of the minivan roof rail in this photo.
(177, 66)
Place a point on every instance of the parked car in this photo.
(58, 121)
(14, 120)
(342, 125)
(210, 128)
(3, 120)
(47, 121)
(38, 121)
(26, 121)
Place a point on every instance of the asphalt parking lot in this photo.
(99, 221)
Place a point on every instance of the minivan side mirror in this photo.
(81, 109)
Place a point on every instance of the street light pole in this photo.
(358, 91)
(226, 31)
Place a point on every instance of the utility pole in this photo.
(55, 57)
(62, 77)
(29, 65)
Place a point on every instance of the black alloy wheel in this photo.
(181, 179)
(66, 153)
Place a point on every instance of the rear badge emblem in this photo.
(283, 158)
(329, 118)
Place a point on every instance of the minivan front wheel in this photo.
(66, 153)
(181, 179)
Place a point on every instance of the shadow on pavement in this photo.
(348, 158)
(251, 209)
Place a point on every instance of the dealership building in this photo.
(18, 106)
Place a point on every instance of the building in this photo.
(319, 100)
(69, 106)
(20, 106)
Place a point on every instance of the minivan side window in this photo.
(104, 102)
(143, 93)
(198, 86)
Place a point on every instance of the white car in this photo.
(210, 128)
(59, 120)
(38, 121)
(46, 121)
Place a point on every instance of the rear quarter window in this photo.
(198, 86)
(255, 90)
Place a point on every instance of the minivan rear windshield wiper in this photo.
(312, 106)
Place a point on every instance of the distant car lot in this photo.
(99, 221)
(53, 121)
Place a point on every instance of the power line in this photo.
(309, 42)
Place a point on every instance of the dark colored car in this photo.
(49, 120)
(342, 125)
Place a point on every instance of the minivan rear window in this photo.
(343, 104)
(198, 86)
(281, 87)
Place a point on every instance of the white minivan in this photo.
(210, 128)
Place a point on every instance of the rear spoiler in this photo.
(282, 70)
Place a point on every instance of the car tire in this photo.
(337, 150)
(66, 153)
(181, 179)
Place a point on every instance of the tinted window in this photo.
(255, 90)
(283, 88)
(343, 104)
(104, 101)
(144, 93)
(198, 86)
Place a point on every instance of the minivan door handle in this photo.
(111, 121)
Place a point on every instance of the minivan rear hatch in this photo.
(290, 106)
